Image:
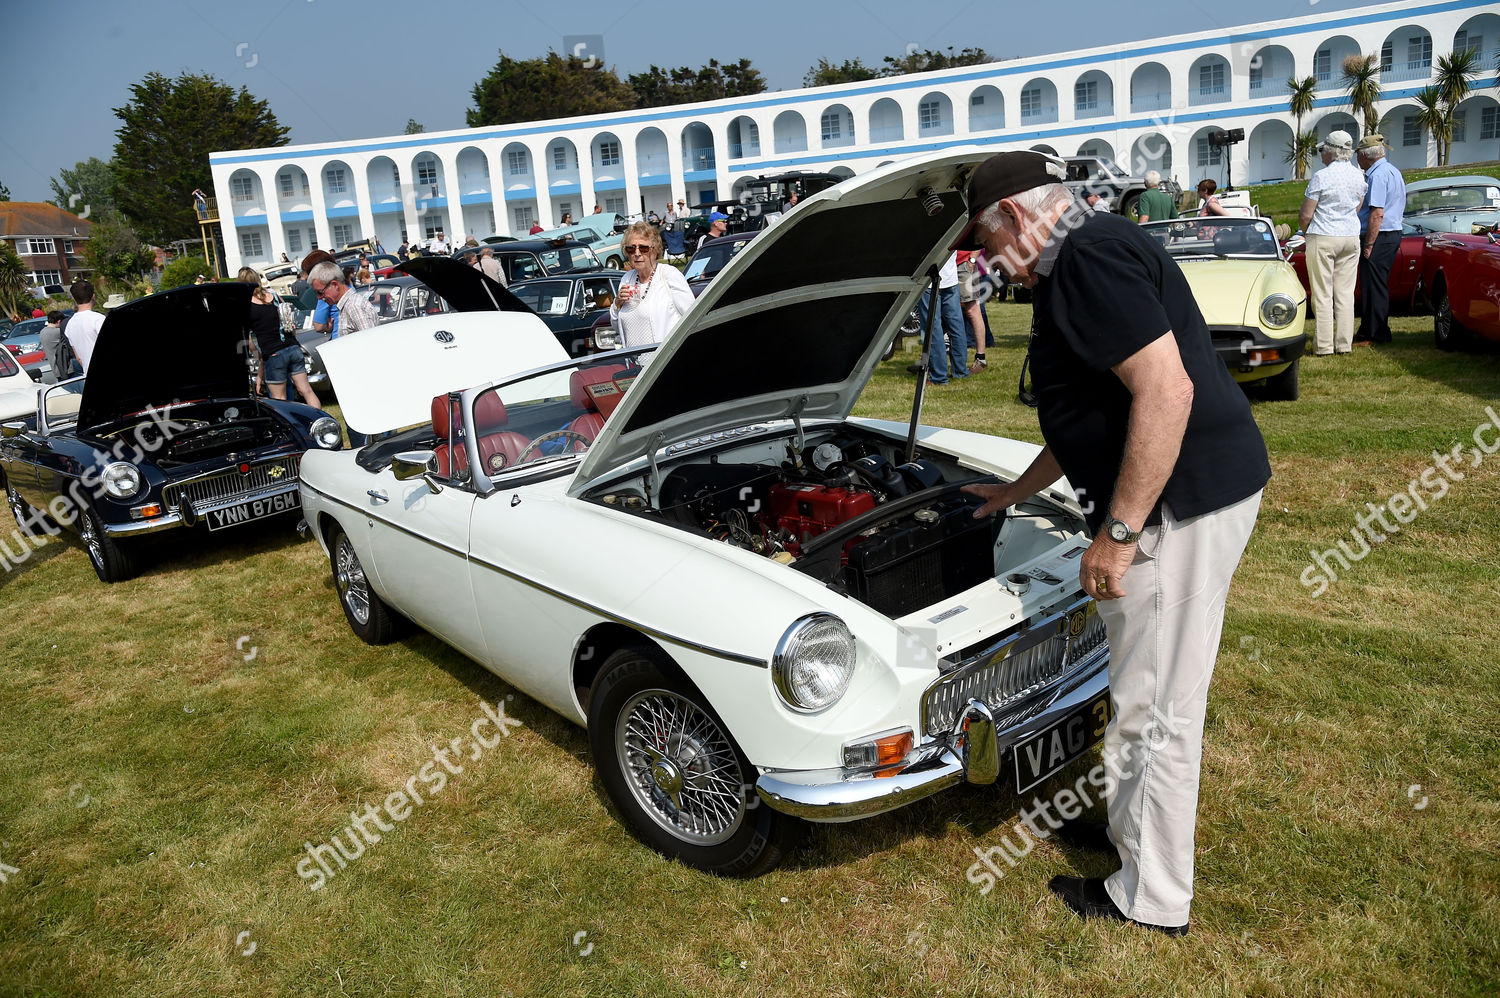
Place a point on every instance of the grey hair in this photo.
(326, 271)
(1342, 155)
(1373, 152)
(1035, 200)
(1153, 178)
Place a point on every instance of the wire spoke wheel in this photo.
(349, 574)
(680, 767)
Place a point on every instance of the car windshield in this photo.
(1216, 237)
(711, 259)
(553, 415)
(1465, 198)
(569, 258)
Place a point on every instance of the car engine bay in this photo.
(848, 510)
(185, 434)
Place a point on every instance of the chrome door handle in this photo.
(378, 496)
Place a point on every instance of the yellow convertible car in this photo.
(1249, 295)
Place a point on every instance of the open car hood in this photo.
(465, 288)
(204, 330)
(387, 377)
(796, 322)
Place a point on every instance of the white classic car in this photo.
(764, 611)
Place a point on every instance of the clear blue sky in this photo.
(333, 70)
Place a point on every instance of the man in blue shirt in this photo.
(1380, 237)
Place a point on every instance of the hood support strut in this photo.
(916, 402)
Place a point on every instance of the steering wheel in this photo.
(536, 444)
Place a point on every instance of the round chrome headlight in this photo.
(1278, 311)
(326, 433)
(814, 662)
(121, 479)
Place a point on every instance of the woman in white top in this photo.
(1330, 218)
(652, 297)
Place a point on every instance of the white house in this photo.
(1148, 104)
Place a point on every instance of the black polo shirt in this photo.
(1113, 290)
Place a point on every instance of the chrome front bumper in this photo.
(972, 752)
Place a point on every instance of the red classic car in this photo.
(1461, 280)
(1404, 282)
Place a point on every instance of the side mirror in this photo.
(421, 464)
(8, 430)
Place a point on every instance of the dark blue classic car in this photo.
(159, 439)
(570, 304)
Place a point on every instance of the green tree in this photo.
(87, 188)
(1301, 95)
(826, 73)
(926, 60)
(1299, 151)
(4, 192)
(1453, 84)
(1360, 79)
(114, 250)
(549, 87)
(167, 130)
(184, 270)
(15, 299)
(659, 87)
(1433, 117)
(414, 127)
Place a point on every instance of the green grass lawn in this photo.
(158, 780)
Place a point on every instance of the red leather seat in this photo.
(498, 449)
(442, 426)
(591, 422)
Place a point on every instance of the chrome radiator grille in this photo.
(229, 485)
(1020, 666)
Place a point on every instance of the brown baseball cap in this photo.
(1372, 140)
(1001, 176)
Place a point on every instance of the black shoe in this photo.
(1081, 833)
(1088, 899)
(915, 368)
(1362, 338)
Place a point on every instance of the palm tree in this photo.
(1300, 98)
(1299, 151)
(1435, 117)
(1361, 82)
(1453, 74)
(13, 292)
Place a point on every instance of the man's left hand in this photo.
(1102, 569)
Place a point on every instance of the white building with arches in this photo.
(1150, 104)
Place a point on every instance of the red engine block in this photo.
(808, 510)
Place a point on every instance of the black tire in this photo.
(891, 347)
(1130, 206)
(369, 616)
(1283, 387)
(690, 796)
(112, 561)
(20, 509)
(614, 263)
(1447, 333)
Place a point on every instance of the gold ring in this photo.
(1103, 585)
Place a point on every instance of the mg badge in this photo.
(275, 471)
(1076, 621)
(443, 336)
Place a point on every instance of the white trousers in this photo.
(1163, 639)
(1332, 268)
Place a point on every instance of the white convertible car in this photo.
(763, 610)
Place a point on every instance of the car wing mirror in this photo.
(421, 464)
(8, 430)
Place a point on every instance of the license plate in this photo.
(233, 516)
(1058, 744)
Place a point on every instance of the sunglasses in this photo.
(638, 248)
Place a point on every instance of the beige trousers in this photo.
(1163, 639)
(1332, 268)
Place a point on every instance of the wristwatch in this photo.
(1119, 531)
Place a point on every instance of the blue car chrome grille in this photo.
(1018, 667)
(229, 485)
